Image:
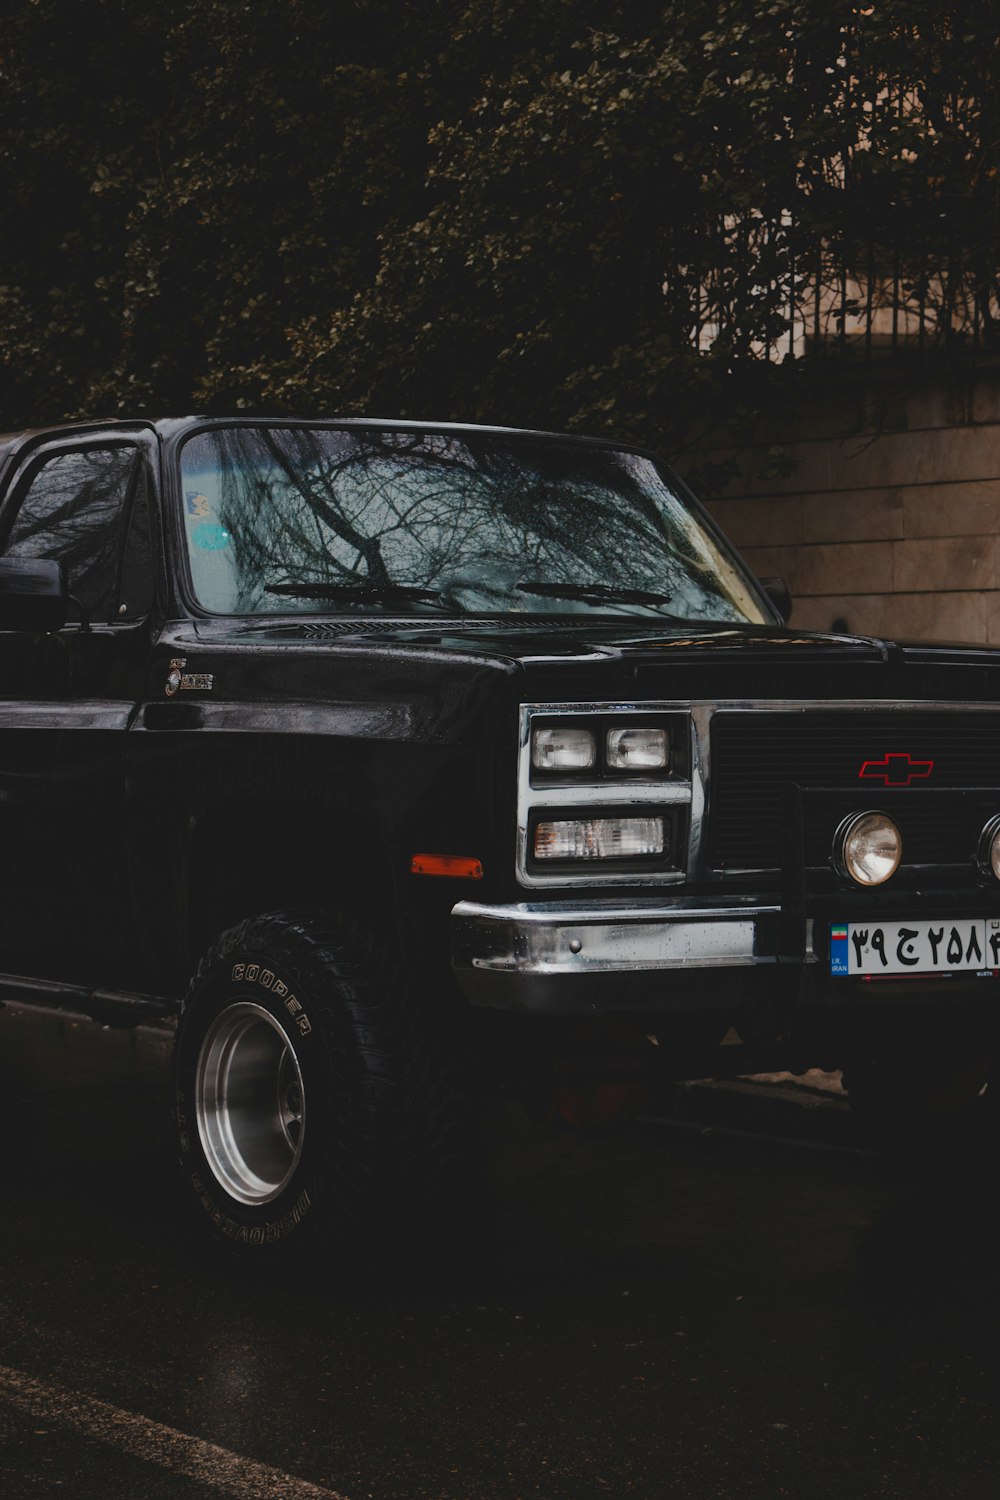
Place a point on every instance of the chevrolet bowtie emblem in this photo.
(896, 769)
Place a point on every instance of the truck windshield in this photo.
(368, 520)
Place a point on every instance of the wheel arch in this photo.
(249, 856)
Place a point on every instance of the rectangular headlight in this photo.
(566, 748)
(638, 748)
(599, 838)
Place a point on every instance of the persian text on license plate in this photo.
(917, 947)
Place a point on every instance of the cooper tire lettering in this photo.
(269, 1233)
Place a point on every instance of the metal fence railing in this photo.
(867, 302)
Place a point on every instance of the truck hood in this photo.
(586, 660)
(736, 662)
(513, 640)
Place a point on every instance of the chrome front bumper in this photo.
(565, 957)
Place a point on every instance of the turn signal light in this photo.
(458, 866)
(599, 838)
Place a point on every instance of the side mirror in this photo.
(33, 594)
(776, 590)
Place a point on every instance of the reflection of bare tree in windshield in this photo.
(375, 593)
(593, 593)
(374, 517)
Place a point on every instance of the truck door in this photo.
(66, 700)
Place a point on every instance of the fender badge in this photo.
(179, 680)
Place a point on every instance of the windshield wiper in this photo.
(595, 593)
(364, 593)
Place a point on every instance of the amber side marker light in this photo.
(458, 866)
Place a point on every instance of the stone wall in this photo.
(889, 522)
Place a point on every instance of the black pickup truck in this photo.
(396, 758)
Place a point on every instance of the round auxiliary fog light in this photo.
(868, 847)
(988, 857)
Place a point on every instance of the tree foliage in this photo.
(586, 216)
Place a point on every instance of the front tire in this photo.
(301, 1079)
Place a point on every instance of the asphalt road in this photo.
(665, 1312)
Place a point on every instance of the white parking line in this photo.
(140, 1438)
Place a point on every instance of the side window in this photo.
(75, 510)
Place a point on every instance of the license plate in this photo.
(948, 946)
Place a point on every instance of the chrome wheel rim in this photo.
(250, 1103)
